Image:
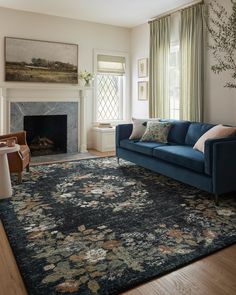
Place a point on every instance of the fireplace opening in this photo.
(46, 135)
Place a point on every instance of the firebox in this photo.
(46, 135)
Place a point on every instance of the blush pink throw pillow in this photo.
(218, 131)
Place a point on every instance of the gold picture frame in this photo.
(143, 90)
(142, 67)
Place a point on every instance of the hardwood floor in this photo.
(10, 279)
(213, 275)
(101, 154)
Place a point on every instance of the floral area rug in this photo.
(93, 227)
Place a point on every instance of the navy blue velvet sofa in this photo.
(214, 171)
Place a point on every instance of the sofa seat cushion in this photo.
(180, 155)
(140, 147)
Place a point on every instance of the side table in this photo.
(5, 180)
(104, 139)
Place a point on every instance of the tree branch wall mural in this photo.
(222, 29)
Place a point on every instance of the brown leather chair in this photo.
(20, 160)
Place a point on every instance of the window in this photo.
(109, 87)
(174, 84)
(109, 97)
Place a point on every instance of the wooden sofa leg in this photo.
(20, 177)
(217, 200)
(28, 168)
(118, 161)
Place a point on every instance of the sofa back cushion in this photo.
(178, 131)
(195, 131)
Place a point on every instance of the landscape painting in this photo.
(40, 61)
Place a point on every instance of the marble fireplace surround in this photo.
(17, 100)
(71, 109)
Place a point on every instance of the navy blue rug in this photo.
(92, 227)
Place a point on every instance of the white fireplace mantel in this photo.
(24, 92)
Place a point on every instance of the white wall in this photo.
(220, 102)
(87, 35)
(139, 49)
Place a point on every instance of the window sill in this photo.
(113, 123)
(104, 130)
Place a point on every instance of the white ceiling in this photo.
(125, 13)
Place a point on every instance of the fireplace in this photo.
(46, 134)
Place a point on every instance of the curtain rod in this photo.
(175, 10)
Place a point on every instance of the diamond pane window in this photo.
(109, 87)
(109, 95)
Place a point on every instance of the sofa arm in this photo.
(123, 131)
(208, 152)
(21, 137)
(224, 166)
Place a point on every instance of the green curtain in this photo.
(192, 63)
(159, 68)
